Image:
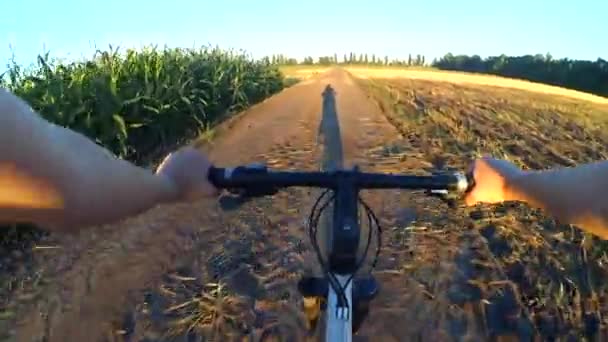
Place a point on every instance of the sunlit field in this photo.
(304, 72)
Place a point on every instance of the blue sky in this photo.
(71, 28)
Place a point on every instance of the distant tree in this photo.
(373, 59)
(345, 60)
(385, 60)
(325, 60)
(308, 61)
(335, 58)
(366, 61)
(361, 58)
(409, 59)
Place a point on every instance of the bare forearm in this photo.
(572, 195)
(105, 189)
(57, 177)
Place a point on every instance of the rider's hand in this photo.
(492, 178)
(188, 169)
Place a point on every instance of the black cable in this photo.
(369, 236)
(379, 229)
(372, 220)
(364, 256)
(342, 300)
(313, 224)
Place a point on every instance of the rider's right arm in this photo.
(575, 195)
(572, 195)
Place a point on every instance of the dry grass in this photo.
(212, 314)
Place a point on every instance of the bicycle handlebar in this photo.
(259, 177)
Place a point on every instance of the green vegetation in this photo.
(581, 75)
(141, 101)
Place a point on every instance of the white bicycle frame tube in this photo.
(339, 329)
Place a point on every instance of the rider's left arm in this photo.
(58, 178)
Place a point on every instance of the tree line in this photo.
(588, 76)
(351, 58)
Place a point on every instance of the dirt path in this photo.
(96, 280)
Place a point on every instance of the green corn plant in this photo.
(135, 102)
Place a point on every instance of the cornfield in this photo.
(136, 102)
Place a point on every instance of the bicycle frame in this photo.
(339, 328)
(344, 240)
